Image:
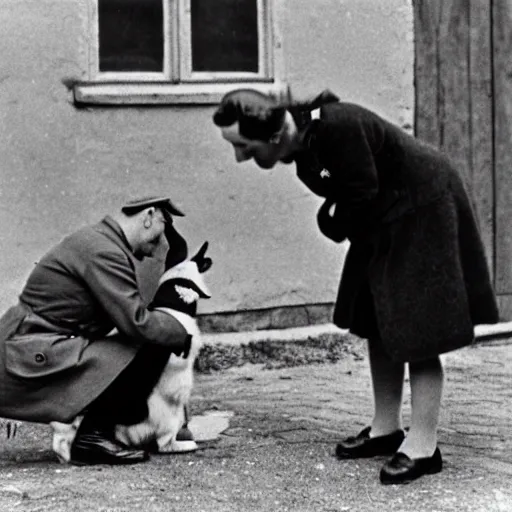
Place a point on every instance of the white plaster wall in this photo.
(363, 50)
(61, 167)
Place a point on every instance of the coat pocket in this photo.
(42, 354)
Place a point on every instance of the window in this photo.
(159, 51)
(130, 36)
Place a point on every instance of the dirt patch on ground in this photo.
(280, 353)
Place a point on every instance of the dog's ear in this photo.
(203, 262)
(178, 249)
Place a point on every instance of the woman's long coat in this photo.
(415, 275)
(56, 354)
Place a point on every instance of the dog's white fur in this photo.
(170, 396)
(168, 400)
(63, 436)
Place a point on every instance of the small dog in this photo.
(179, 289)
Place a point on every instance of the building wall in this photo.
(62, 167)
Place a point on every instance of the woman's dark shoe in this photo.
(364, 446)
(96, 446)
(401, 469)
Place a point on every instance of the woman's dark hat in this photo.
(134, 206)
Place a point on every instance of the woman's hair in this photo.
(258, 115)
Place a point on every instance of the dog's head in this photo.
(179, 290)
(181, 286)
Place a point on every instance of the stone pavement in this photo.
(277, 454)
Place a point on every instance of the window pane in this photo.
(224, 35)
(131, 35)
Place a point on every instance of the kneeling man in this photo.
(58, 356)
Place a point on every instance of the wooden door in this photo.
(502, 66)
(463, 80)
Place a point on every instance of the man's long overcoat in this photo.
(56, 354)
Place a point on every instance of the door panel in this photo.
(453, 74)
(502, 34)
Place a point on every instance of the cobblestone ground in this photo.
(277, 454)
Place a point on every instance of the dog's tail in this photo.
(135, 435)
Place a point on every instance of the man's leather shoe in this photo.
(96, 447)
(364, 446)
(401, 469)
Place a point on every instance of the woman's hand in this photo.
(330, 226)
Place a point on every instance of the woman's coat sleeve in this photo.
(348, 148)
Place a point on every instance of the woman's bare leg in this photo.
(387, 381)
(426, 390)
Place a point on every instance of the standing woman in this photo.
(415, 280)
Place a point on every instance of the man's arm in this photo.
(113, 283)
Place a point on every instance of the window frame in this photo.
(187, 74)
(178, 83)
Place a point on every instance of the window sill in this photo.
(164, 93)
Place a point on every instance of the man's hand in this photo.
(183, 350)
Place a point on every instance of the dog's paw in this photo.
(183, 442)
(175, 446)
